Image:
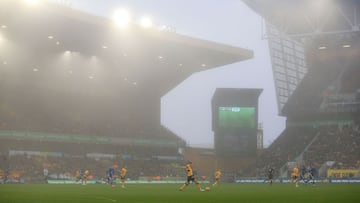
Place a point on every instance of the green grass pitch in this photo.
(169, 193)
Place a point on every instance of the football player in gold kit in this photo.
(295, 176)
(190, 177)
(122, 176)
(217, 177)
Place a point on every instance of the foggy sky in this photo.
(186, 110)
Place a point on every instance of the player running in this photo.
(295, 176)
(122, 176)
(77, 175)
(217, 177)
(190, 177)
(110, 176)
(271, 172)
(84, 174)
(310, 175)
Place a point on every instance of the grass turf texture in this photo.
(159, 193)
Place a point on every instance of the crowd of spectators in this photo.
(340, 144)
(315, 146)
(27, 160)
(284, 149)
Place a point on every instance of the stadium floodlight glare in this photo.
(121, 17)
(1, 37)
(146, 22)
(322, 47)
(346, 46)
(3, 26)
(32, 2)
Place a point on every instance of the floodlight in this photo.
(32, 2)
(2, 37)
(145, 22)
(121, 17)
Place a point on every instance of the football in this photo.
(207, 188)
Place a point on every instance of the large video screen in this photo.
(237, 117)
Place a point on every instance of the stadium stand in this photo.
(77, 93)
(60, 116)
(322, 106)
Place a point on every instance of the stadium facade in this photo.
(315, 49)
(78, 92)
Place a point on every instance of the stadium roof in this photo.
(144, 55)
(302, 18)
(302, 32)
(56, 61)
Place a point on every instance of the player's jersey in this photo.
(77, 174)
(189, 170)
(271, 172)
(296, 171)
(111, 172)
(217, 174)
(312, 171)
(86, 173)
(123, 172)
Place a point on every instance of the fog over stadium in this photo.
(259, 91)
(186, 109)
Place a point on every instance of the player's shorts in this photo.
(190, 179)
(122, 177)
